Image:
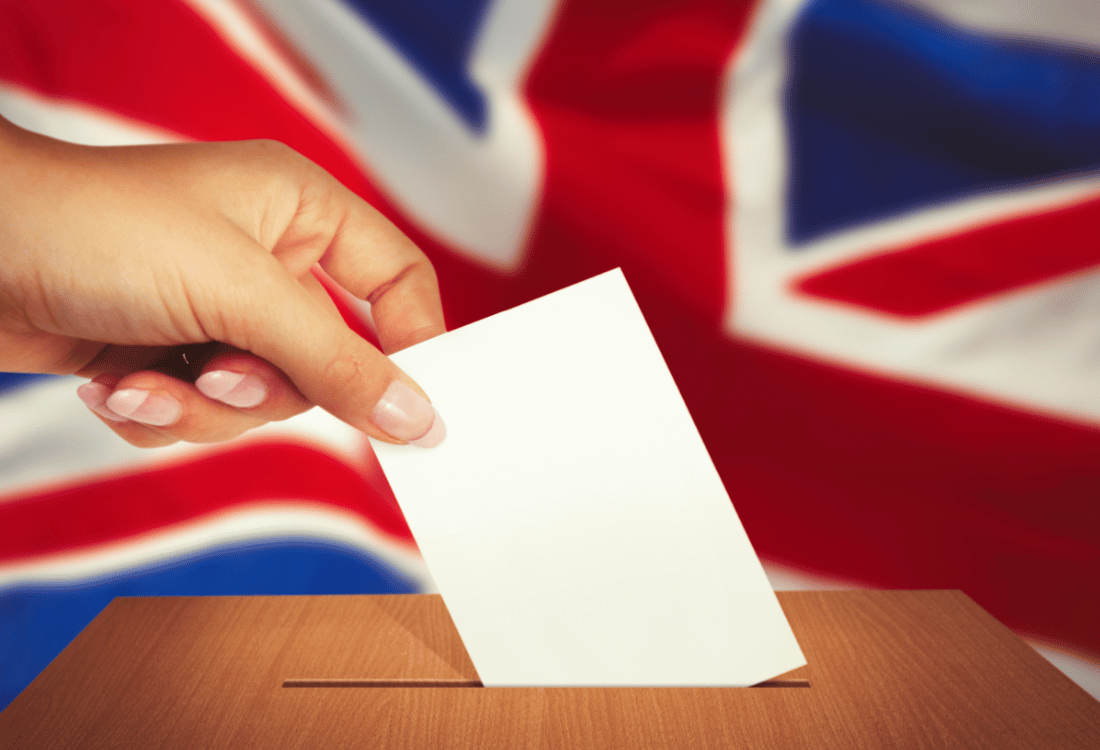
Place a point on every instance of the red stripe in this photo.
(936, 276)
(627, 93)
(91, 514)
(160, 63)
(626, 96)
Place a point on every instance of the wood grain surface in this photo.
(916, 669)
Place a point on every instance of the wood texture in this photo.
(886, 670)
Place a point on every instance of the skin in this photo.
(115, 262)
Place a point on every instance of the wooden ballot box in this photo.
(901, 669)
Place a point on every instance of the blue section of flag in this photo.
(437, 37)
(9, 381)
(38, 620)
(889, 110)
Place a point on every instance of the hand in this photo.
(117, 263)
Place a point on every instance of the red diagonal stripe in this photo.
(104, 511)
(945, 273)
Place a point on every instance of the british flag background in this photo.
(863, 232)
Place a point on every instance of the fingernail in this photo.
(404, 414)
(233, 388)
(145, 407)
(94, 396)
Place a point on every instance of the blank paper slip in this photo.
(572, 519)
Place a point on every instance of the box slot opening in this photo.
(311, 682)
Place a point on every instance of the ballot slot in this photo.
(377, 683)
(406, 641)
(432, 683)
(796, 678)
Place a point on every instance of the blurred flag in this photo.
(862, 233)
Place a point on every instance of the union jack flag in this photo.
(863, 233)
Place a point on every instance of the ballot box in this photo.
(886, 669)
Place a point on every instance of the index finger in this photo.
(372, 259)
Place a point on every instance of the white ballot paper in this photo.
(572, 519)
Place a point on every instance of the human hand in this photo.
(115, 263)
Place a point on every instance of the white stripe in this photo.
(76, 122)
(475, 193)
(255, 523)
(1085, 672)
(1069, 22)
(49, 437)
(1033, 348)
(240, 32)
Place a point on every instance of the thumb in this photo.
(333, 367)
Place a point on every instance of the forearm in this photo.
(28, 340)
